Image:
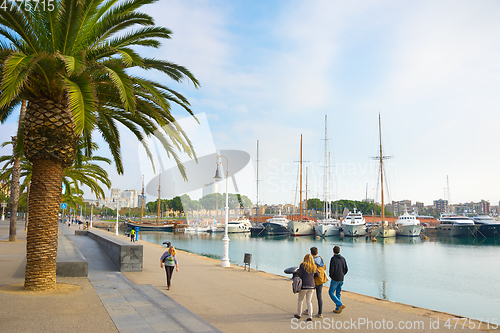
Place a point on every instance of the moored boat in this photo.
(327, 228)
(301, 228)
(354, 224)
(408, 225)
(488, 226)
(456, 226)
(277, 225)
(147, 226)
(239, 225)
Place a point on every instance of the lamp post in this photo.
(91, 212)
(225, 239)
(117, 214)
(4, 204)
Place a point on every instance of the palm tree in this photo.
(72, 63)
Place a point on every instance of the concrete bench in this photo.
(127, 256)
(70, 261)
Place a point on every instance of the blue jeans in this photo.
(336, 288)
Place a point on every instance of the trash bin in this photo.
(247, 260)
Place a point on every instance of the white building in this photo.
(210, 189)
(132, 197)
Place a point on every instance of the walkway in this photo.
(229, 300)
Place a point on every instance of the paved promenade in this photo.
(203, 298)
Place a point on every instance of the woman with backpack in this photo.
(170, 260)
(306, 272)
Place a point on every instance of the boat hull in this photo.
(383, 232)
(274, 229)
(409, 230)
(151, 227)
(327, 230)
(489, 230)
(354, 230)
(298, 228)
(457, 230)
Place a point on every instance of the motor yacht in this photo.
(408, 225)
(241, 224)
(456, 226)
(354, 224)
(488, 226)
(277, 225)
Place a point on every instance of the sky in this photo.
(272, 70)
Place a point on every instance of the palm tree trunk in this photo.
(41, 247)
(14, 184)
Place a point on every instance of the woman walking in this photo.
(307, 272)
(170, 260)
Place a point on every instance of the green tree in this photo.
(314, 204)
(72, 63)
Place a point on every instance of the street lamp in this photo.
(91, 212)
(225, 239)
(4, 204)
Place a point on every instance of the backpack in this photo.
(322, 278)
(296, 284)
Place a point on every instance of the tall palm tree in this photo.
(72, 62)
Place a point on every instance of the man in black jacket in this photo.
(338, 268)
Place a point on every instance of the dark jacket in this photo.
(338, 268)
(307, 278)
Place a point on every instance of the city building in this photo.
(399, 207)
(132, 198)
(441, 206)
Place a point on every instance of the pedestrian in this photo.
(169, 258)
(319, 280)
(338, 268)
(307, 272)
(132, 235)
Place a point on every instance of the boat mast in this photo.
(159, 199)
(142, 200)
(257, 177)
(381, 169)
(306, 192)
(325, 184)
(300, 195)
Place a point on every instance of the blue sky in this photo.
(271, 70)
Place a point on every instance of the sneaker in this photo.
(296, 316)
(342, 307)
(309, 319)
(319, 315)
(305, 312)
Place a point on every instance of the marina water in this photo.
(454, 275)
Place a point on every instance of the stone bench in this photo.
(70, 261)
(127, 256)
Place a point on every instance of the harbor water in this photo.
(454, 275)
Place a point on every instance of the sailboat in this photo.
(301, 227)
(327, 226)
(383, 230)
(148, 225)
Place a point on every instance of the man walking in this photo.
(338, 268)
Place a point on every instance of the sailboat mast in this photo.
(159, 199)
(257, 177)
(142, 200)
(306, 192)
(381, 168)
(300, 195)
(325, 185)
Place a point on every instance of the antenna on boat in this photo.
(257, 162)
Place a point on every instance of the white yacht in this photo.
(408, 225)
(277, 225)
(354, 224)
(241, 224)
(301, 228)
(327, 227)
(456, 225)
